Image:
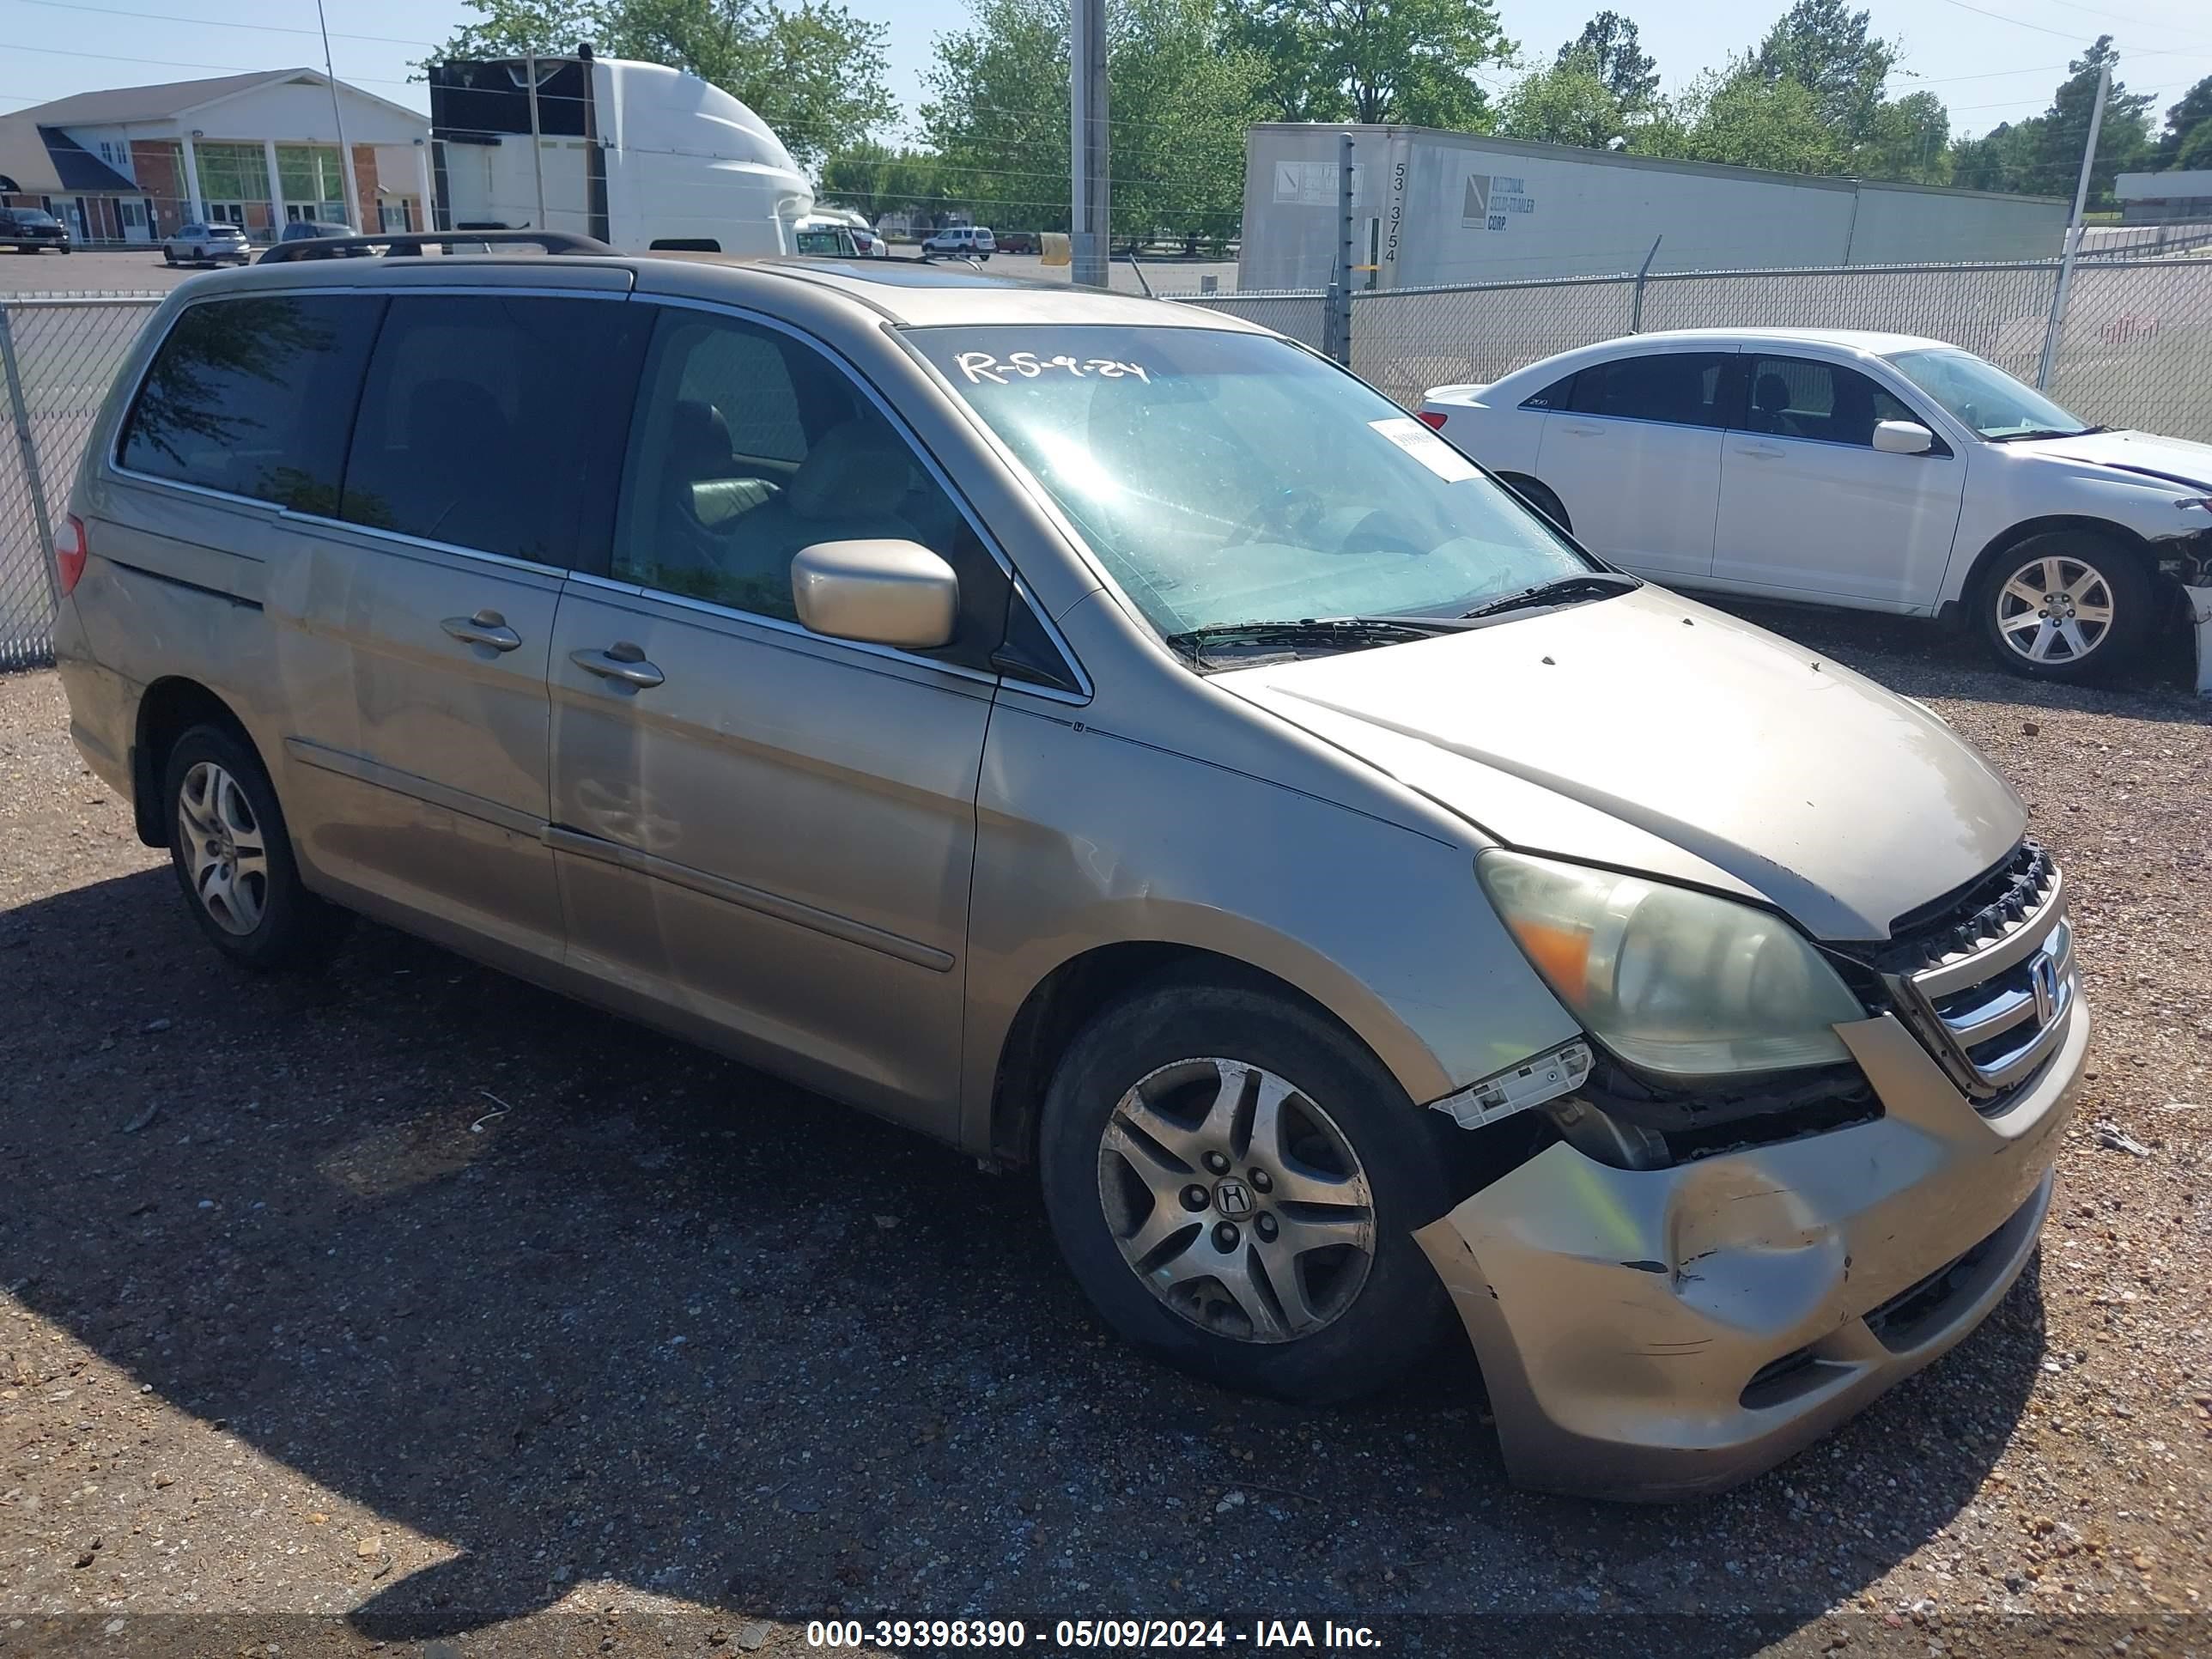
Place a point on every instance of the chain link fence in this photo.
(2135, 350)
(1302, 315)
(60, 352)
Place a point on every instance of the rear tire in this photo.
(1159, 1166)
(2067, 605)
(232, 856)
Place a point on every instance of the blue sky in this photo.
(1991, 60)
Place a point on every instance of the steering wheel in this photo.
(1289, 515)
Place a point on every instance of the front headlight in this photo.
(1672, 981)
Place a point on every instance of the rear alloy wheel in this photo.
(234, 857)
(2065, 605)
(1235, 1182)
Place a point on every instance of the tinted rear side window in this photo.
(1679, 388)
(493, 422)
(253, 397)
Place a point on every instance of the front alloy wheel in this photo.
(1236, 1199)
(1235, 1182)
(2066, 606)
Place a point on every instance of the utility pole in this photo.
(537, 148)
(1088, 150)
(2057, 326)
(348, 189)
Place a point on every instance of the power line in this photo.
(218, 23)
(227, 69)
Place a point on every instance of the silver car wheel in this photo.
(2055, 610)
(1236, 1199)
(223, 848)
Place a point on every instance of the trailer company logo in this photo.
(1491, 200)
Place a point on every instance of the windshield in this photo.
(1226, 479)
(35, 217)
(1985, 396)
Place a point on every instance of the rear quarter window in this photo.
(253, 397)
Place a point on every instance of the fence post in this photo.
(29, 445)
(1636, 306)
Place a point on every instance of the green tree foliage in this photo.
(1568, 103)
(2042, 155)
(1910, 141)
(1180, 91)
(1408, 61)
(1825, 49)
(1611, 48)
(2188, 122)
(1741, 118)
(876, 180)
(813, 71)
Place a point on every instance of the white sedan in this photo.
(1881, 472)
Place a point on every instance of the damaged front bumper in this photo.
(1656, 1334)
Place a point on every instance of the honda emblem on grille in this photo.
(2043, 976)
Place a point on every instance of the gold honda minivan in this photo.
(1110, 738)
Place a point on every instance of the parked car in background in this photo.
(962, 241)
(206, 244)
(33, 230)
(306, 230)
(1879, 471)
(1107, 736)
(825, 238)
(865, 237)
(1016, 241)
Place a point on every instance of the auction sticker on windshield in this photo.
(981, 366)
(1425, 447)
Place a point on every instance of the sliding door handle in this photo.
(621, 661)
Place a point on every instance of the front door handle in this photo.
(486, 627)
(1580, 431)
(621, 661)
(1760, 452)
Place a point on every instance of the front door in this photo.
(1636, 459)
(767, 832)
(1810, 509)
(419, 672)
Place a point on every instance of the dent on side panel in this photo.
(1086, 838)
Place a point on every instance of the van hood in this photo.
(1650, 732)
(2172, 460)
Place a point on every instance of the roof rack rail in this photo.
(414, 241)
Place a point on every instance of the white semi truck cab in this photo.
(639, 155)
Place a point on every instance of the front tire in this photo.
(232, 855)
(1235, 1181)
(1540, 497)
(2066, 606)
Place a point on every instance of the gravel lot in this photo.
(410, 1305)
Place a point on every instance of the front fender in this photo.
(1085, 839)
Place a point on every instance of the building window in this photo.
(233, 172)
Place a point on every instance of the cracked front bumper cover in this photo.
(1659, 1333)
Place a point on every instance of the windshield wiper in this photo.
(1594, 584)
(2050, 432)
(1342, 631)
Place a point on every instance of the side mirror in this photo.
(1903, 438)
(880, 593)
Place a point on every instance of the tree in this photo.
(1741, 118)
(1612, 49)
(875, 179)
(1910, 141)
(1826, 50)
(1568, 103)
(1180, 91)
(2054, 161)
(1407, 61)
(2188, 120)
(813, 71)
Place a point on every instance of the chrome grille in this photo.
(1988, 986)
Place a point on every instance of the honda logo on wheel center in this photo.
(1233, 1198)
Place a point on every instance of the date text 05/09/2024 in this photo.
(1006, 1635)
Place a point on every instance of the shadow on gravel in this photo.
(668, 1322)
(1921, 658)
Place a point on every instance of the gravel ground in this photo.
(407, 1304)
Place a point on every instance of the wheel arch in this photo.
(1066, 997)
(2082, 524)
(1517, 482)
(168, 708)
